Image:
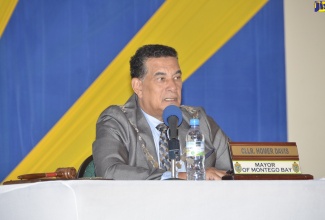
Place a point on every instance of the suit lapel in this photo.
(139, 122)
(146, 134)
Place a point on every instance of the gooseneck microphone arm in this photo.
(173, 142)
(172, 123)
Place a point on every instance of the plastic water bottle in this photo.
(195, 152)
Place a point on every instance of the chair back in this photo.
(87, 168)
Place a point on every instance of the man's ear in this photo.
(137, 86)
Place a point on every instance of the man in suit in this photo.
(127, 141)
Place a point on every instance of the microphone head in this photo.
(172, 110)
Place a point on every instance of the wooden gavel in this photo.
(60, 173)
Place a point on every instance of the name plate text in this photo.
(266, 167)
(264, 158)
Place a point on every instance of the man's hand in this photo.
(182, 175)
(212, 173)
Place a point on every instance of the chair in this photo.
(87, 168)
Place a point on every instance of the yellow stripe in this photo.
(6, 9)
(197, 29)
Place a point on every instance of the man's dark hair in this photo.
(137, 62)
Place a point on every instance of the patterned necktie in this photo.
(163, 146)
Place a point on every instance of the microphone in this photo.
(173, 118)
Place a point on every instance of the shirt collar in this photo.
(152, 121)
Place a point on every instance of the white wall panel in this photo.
(305, 72)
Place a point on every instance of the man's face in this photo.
(160, 87)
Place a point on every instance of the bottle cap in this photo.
(194, 122)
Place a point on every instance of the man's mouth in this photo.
(171, 99)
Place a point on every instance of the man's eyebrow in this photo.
(159, 74)
(163, 73)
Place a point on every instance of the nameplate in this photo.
(264, 157)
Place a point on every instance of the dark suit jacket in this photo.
(124, 146)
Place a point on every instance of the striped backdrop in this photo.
(63, 62)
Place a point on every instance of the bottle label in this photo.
(194, 148)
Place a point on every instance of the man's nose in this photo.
(171, 85)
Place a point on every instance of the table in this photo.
(109, 199)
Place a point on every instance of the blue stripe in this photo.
(243, 85)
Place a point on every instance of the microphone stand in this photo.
(173, 153)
